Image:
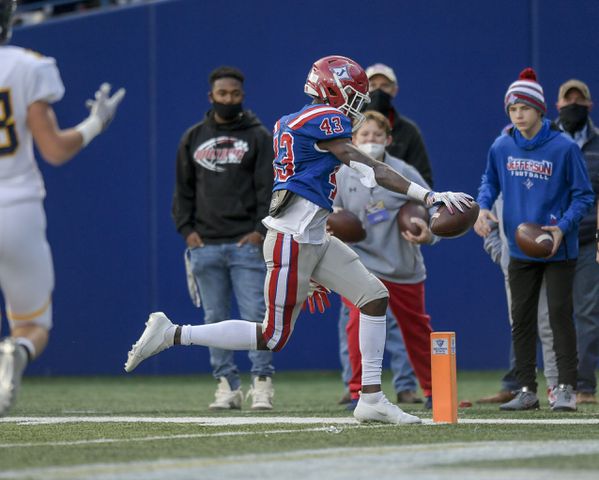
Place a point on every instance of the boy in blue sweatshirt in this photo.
(544, 180)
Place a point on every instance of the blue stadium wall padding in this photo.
(117, 256)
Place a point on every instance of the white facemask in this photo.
(375, 150)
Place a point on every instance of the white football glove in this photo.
(104, 106)
(102, 111)
(449, 199)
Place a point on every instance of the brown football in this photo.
(408, 210)
(534, 241)
(445, 224)
(346, 226)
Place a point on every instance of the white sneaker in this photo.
(12, 365)
(382, 411)
(565, 399)
(157, 336)
(225, 398)
(261, 392)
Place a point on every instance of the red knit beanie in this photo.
(526, 90)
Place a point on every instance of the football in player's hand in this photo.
(534, 241)
(445, 224)
(406, 212)
(346, 226)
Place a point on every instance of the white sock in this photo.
(371, 397)
(373, 331)
(229, 334)
(27, 345)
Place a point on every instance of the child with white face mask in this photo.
(372, 138)
(393, 257)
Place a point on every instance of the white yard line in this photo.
(67, 443)
(260, 420)
(332, 425)
(426, 462)
(208, 421)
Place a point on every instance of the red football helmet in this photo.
(340, 82)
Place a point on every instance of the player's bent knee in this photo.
(371, 295)
(376, 307)
(41, 319)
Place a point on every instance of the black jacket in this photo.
(224, 179)
(407, 144)
(590, 151)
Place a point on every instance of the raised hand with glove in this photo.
(102, 110)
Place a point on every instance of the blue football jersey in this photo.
(299, 166)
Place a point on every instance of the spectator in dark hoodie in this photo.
(222, 193)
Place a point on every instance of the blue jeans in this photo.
(403, 374)
(586, 316)
(220, 271)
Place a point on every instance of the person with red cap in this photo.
(543, 178)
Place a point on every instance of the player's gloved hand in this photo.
(102, 111)
(317, 298)
(449, 199)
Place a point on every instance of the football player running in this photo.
(310, 146)
(29, 84)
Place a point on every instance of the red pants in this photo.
(407, 304)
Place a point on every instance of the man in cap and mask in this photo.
(574, 104)
(407, 142)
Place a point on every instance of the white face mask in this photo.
(375, 150)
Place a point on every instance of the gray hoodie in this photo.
(384, 251)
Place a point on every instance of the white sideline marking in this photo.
(343, 422)
(450, 461)
(207, 421)
(259, 420)
(530, 421)
(69, 443)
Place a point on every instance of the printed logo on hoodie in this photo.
(219, 151)
(523, 167)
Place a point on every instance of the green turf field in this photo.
(158, 427)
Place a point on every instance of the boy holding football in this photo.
(543, 178)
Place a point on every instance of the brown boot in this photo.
(585, 397)
(407, 396)
(345, 399)
(503, 396)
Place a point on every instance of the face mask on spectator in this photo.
(573, 117)
(379, 101)
(227, 111)
(375, 150)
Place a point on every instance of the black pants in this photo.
(525, 280)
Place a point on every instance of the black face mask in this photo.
(227, 112)
(573, 117)
(379, 101)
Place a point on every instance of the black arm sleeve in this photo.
(263, 178)
(417, 156)
(183, 209)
